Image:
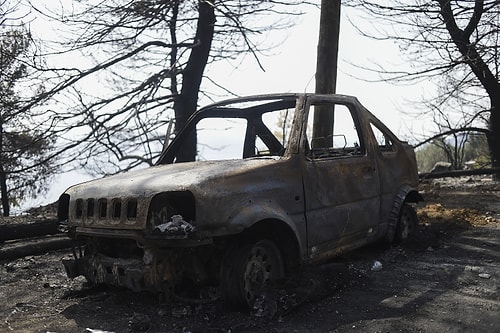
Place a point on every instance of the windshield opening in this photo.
(249, 129)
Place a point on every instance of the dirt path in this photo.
(447, 280)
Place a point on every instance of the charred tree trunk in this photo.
(28, 230)
(326, 65)
(494, 135)
(458, 173)
(3, 177)
(3, 190)
(470, 55)
(185, 104)
(328, 47)
(36, 246)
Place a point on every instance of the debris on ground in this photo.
(453, 288)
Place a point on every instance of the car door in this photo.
(341, 183)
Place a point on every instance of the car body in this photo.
(278, 181)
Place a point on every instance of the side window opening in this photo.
(335, 133)
(384, 142)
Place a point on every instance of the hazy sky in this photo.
(293, 66)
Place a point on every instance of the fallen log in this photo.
(458, 173)
(28, 230)
(19, 249)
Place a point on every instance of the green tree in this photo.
(24, 168)
(477, 150)
(456, 149)
(428, 155)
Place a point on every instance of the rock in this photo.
(440, 167)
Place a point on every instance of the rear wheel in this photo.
(407, 223)
(247, 270)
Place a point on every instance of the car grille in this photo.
(113, 211)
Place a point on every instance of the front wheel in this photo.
(407, 223)
(247, 270)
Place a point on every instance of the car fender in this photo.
(254, 212)
(406, 193)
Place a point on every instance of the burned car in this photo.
(275, 182)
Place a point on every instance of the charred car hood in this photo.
(170, 177)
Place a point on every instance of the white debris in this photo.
(473, 268)
(484, 275)
(176, 226)
(377, 266)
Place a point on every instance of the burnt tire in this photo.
(248, 270)
(406, 227)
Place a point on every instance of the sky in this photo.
(291, 68)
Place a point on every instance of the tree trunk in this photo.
(458, 173)
(328, 46)
(36, 246)
(326, 65)
(185, 104)
(3, 190)
(3, 177)
(28, 230)
(494, 136)
(479, 67)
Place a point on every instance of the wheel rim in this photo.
(263, 265)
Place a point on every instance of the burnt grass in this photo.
(446, 279)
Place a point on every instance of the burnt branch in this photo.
(453, 131)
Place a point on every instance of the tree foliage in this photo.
(453, 44)
(428, 156)
(24, 168)
(461, 151)
(140, 67)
